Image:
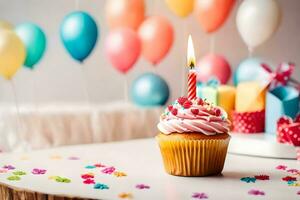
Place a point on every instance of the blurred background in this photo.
(58, 78)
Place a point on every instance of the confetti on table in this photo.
(281, 167)
(125, 195)
(101, 186)
(74, 158)
(89, 181)
(289, 178)
(60, 179)
(2, 171)
(262, 177)
(293, 183)
(142, 186)
(199, 195)
(99, 165)
(24, 158)
(90, 167)
(108, 170)
(37, 171)
(248, 179)
(256, 192)
(55, 157)
(14, 178)
(119, 174)
(19, 173)
(293, 171)
(8, 167)
(87, 176)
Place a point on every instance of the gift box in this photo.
(288, 132)
(250, 97)
(283, 100)
(248, 122)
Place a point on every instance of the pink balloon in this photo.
(213, 65)
(125, 13)
(122, 48)
(157, 36)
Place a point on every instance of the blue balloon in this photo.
(79, 33)
(150, 90)
(250, 70)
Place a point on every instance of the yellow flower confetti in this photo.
(55, 157)
(119, 174)
(125, 195)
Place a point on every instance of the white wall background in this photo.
(59, 78)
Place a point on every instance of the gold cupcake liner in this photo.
(193, 157)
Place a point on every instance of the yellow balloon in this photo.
(6, 25)
(12, 53)
(182, 8)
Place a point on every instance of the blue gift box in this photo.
(283, 100)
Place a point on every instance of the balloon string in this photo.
(18, 115)
(212, 43)
(154, 6)
(250, 52)
(85, 86)
(126, 88)
(77, 4)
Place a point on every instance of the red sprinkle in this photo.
(87, 176)
(170, 107)
(200, 102)
(187, 104)
(218, 112)
(262, 177)
(174, 111)
(195, 111)
(181, 100)
(89, 181)
(289, 178)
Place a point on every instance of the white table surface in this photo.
(141, 161)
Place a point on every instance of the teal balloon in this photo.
(79, 34)
(34, 40)
(250, 70)
(150, 90)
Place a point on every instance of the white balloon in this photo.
(257, 20)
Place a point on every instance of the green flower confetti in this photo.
(19, 173)
(14, 178)
(62, 179)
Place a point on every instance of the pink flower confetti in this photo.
(289, 178)
(89, 181)
(99, 165)
(281, 167)
(142, 186)
(2, 171)
(262, 177)
(87, 176)
(293, 171)
(74, 158)
(37, 171)
(199, 195)
(8, 167)
(298, 192)
(108, 170)
(256, 192)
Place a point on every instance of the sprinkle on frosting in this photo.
(196, 115)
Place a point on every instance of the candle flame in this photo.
(190, 53)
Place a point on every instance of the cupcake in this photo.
(193, 138)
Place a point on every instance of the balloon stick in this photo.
(126, 88)
(18, 116)
(77, 4)
(250, 52)
(85, 87)
(212, 43)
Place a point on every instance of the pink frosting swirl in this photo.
(193, 116)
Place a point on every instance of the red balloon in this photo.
(211, 14)
(213, 65)
(122, 48)
(157, 36)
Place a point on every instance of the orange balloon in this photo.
(211, 14)
(125, 13)
(157, 35)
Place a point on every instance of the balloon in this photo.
(123, 48)
(12, 53)
(6, 25)
(212, 14)
(157, 36)
(257, 21)
(250, 70)
(149, 89)
(182, 8)
(34, 40)
(79, 33)
(125, 13)
(213, 66)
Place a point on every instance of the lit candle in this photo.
(192, 76)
